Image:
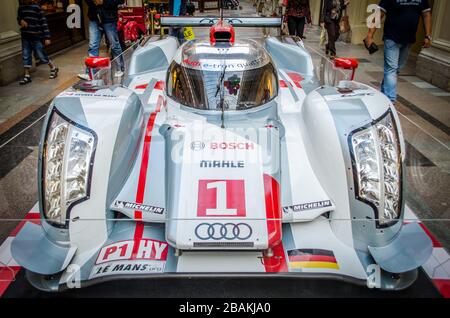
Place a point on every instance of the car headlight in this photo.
(67, 160)
(377, 161)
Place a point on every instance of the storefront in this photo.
(62, 36)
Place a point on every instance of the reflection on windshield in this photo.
(241, 89)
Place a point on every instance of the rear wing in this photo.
(170, 21)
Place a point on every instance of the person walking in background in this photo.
(35, 34)
(103, 16)
(177, 8)
(298, 14)
(400, 27)
(330, 19)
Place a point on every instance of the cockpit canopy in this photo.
(237, 77)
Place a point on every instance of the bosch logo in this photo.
(227, 231)
(197, 145)
(232, 145)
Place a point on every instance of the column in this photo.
(433, 64)
(357, 12)
(10, 44)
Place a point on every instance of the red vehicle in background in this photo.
(132, 23)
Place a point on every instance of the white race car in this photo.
(221, 157)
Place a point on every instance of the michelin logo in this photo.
(307, 206)
(140, 207)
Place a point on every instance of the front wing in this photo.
(139, 250)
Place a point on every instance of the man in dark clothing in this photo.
(35, 33)
(298, 13)
(103, 17)
(331, 16)
(177, 8)
(400, 28)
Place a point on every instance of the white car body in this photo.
(170, 191)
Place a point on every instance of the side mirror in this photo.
(347, 64)
(95, 62)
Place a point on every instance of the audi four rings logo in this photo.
(197, 145)
(227, 231)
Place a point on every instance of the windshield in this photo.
(240, 90)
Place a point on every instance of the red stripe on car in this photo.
(139, 230)
(273, 210)
(142, 86)
(160, 85)
(296, 78)
(276, 263)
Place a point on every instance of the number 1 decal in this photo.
(221, 198)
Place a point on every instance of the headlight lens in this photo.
(67, 158)
(378, 168)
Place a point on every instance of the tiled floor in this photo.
(17, 102)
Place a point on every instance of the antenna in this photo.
(221, 9)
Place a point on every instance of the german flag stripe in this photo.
(312, 258)
(298, 265)
(311, 251)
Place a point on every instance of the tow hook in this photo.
(270, 260)
(268, 252)
(178, 252)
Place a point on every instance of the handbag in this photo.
(284, 26)
(323, 37)
(344, 24)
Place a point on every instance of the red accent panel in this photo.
(436, 243)
(160, 85)
(443, 286)
(97, 62)
(221, 27)
(32, 217)
(312, 258)
(138, 233)
(273, 210)
(296, 78)
(235, 198)
(7, 276)
(346, 63)
(277, 263)
(283, 84)
(142, 86)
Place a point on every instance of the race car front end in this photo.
(221, 158)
